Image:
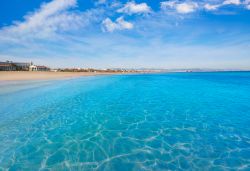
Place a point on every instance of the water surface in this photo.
(176, 121)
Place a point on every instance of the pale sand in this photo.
(26, 75)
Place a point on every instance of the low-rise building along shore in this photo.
(38, 68)
(5, 66)
(21, 66)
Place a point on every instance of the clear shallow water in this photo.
(178, 121)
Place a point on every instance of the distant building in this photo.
(14, 66)
(38, 68)
(7, 66)
(20, 66)
(32, 68)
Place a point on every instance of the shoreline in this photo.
(6, 76)
(36, 75)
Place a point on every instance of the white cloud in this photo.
(119, 24)
(48, 21)
(183, 8)
(186, 7)
(50, 15)
(167, 4)
(133, 8)
(231, 2)
(247, 4)
(210, 7)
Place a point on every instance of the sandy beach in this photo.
(26, 75)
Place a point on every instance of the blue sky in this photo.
(130, 34)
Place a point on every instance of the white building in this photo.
(38, 68)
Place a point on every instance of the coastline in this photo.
(27, 75)
(50, 75)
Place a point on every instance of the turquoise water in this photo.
(176, 121)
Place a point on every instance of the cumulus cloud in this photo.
(183, 8)
(186, 7)
(233, 2)
(210, 7)
(189, 6)
(133, 8)
(119, 24)
(50, 16)
(49, 20)
(247, 4)
(167, 4)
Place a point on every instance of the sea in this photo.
(134, 122)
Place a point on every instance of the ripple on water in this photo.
(150, 122)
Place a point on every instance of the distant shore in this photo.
(50, 75)
(30, 75)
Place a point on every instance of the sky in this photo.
(166, 34)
